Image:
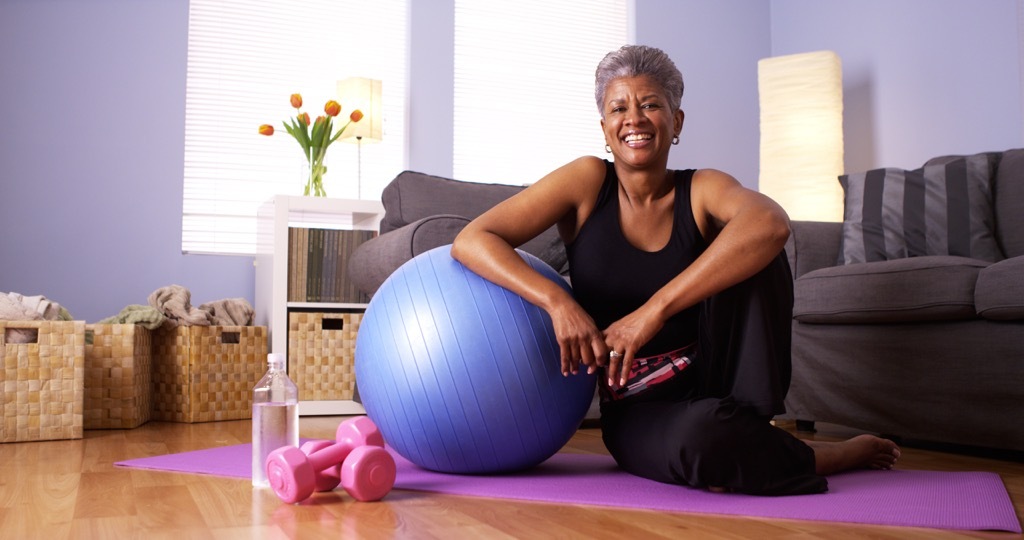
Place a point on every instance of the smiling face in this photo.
(638, 121)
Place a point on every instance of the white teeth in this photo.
(633, 137)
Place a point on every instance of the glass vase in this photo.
(313, 170)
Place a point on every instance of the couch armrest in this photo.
(374, 260)
(813, 245)
(999, 292)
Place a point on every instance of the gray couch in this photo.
(927, 348)
(422, 212)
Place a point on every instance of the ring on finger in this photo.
(614, 354)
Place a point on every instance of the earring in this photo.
(608, 149)
(675, 139)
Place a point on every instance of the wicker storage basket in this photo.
(42, 383)
(321, 354)
(206, 373)
(118, 376)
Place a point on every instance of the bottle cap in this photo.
(276, 360)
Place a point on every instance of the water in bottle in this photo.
(275, 416)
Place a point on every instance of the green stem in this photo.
(315, 182)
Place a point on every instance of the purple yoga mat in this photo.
(939, 500)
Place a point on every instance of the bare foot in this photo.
(860, 452)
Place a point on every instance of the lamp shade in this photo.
(801, 99)
(363, 94)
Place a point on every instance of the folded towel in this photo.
(175, 302)
(146, 316)
(18, 307)
(46, 309)
(230, 312)
(11, 309)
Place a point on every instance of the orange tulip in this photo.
(304, 119)
(266, 129)
(356, 115)
(320, 119)
(332, 108)
(296, 100)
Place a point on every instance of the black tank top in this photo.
(611, 277)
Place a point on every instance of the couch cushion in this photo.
(1009, 193)
(914, 289)
(412, 196)
(999, 294)
(939, 209)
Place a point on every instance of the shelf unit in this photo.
(272, 306)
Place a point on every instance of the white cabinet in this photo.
(272, 305)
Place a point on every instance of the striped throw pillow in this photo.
(944, 209)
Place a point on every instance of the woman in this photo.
(681, 296)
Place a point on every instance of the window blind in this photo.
(524, 84)
(245, 58)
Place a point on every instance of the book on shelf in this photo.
(318, 264)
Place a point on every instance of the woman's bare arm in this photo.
(486, 246)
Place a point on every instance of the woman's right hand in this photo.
(579, 339)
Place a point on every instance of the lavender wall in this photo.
(716, 46)
(92, 99)
(431, 72)
(920, 77)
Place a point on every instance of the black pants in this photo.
(709, 426)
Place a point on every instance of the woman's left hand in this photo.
(625, 337)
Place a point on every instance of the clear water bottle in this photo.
(275, 416)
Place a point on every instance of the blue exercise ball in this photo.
(463, 376)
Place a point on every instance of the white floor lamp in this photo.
(363, 94)
(801, 97)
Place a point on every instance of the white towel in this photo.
(40, 304)
(12, 309)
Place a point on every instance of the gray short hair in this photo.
(635, 61)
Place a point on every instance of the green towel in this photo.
(145, 316)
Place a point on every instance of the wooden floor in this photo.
(70, 489)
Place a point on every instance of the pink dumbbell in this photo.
(367, 469)
(329, 478)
